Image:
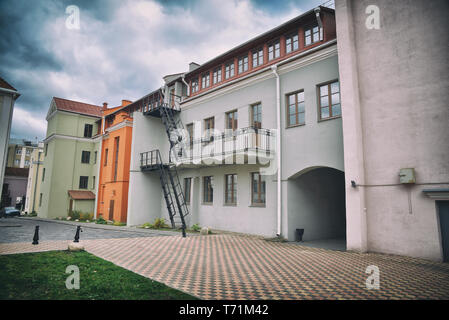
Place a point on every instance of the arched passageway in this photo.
(316, 203)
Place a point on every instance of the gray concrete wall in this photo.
(394, 103)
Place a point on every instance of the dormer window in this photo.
(274, 50)
(243, 64)
(311, 35)
(205, 80)
(194, 85)
(258, 58)
(229, 70)
(217, 75)
(291, 43)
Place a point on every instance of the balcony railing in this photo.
(150, 158)
(240, 141)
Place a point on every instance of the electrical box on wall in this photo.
(407, 175)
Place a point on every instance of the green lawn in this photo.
(42, 276)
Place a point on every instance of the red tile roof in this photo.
(81, 195)
(77, 107)
(6, 85)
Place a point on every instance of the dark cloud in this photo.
(123, 48)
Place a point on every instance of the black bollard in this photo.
(77, 234)
(36, 236)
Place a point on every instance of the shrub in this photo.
(196, 227)
(75, 214)
(100, 220)
(119, 224)
(147, 225)
(159, 223)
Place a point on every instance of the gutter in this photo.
(14, 93)
(278, 149)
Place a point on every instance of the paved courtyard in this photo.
(239, 267)
(22, 230)
(243, 267)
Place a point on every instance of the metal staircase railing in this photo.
(171, 187)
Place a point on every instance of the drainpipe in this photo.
(318, 19)
(37, 176)
(278, 151)
(187, 85)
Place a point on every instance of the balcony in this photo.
(242, 146)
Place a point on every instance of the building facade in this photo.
(262, 137)
(19, 153)
(36, 169)
(8, 96)
(394, 90)
(71, 155)
(112, 200)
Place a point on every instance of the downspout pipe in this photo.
(278, 150)
(318, 19)
(187, 85)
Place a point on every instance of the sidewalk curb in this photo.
(108, 227)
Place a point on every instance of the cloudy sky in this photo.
(122, 49)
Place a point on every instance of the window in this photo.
(208, 190)
(187, 188)
(46, 149)
(117, 141)
(17, 162)
(231, 120)
(28, 151)
(256, 116)
(257, 58)
(229, 70)
(85, 157)
(172, 97)
(27, 162)
(43, 174)
(106, 157)
(88, 130)
(40, 199)
(93, 182)
(231, 189)
(83, 182)
(205, 81)
(217, 75)
(243, 64)
(18, 151)
(274, 50)
(291, 43)
(257, 189)
(95, 157)
(209, 125)
(329, 100)
(194, 85)
(295, 109)
(311, 35)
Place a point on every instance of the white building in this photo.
(8, 96)
(272, 99)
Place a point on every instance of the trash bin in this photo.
(298, 235)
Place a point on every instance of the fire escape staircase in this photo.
(168, 174)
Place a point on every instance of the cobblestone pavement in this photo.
(22, 230)
(239, 267)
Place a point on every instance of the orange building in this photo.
(114, 163)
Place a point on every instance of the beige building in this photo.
(35, 175)
(19, 153)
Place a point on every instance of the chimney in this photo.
(105, 106)
(125, 102)
(193, 66)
